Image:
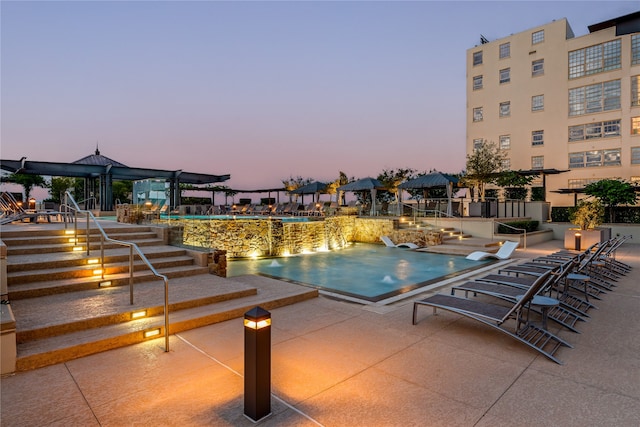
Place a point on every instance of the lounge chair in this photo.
(562, 314)
(496, 316)
(505, 252)
(387, 241)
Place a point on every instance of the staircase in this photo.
(454, 242)
(63, 310)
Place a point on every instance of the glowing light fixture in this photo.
(138, 314)
(152, 333)
(78, 248)
(72, 240)
(93, 261)
(259, 324)
(69, 232)
(105, 284)
(97, 272)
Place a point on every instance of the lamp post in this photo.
(257, 363)
(577, 243)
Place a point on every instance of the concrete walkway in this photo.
(336, 363)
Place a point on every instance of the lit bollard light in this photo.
(577, 244)
(257, 363)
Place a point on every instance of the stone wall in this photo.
(242, 238)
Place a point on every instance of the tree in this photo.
(122, 191)
(293, 183)
(612, 192)
(391, 179)
(27, 181)
(587, 215)
(483, 165)
(61, 184)
(513, 180)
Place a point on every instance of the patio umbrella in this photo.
(311, 188)
(364, 184)
(433, 180)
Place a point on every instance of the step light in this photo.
(138, 314)
(98, 272)
(72, 240)
(152, 333)
(93, 261)
(105, 284)
(69, 232)
(78, 248)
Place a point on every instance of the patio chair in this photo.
(505, 252)
(496, 316)
(562, 314)
(389, 243)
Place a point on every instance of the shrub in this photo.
(527, 225)
(588, 214)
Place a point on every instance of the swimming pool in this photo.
(363, 271)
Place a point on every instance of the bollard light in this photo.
(577, 244)
(257, 363)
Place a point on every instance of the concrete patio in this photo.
(336, 363)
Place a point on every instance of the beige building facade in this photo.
(555, 102)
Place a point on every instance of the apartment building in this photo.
(567, 106)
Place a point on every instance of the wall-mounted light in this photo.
(105, 284)
(152, 333)
(98, 272)
(78, 248)
(138, 314)
(93, 261)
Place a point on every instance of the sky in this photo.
(261, 90)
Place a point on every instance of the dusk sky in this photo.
(260, 90)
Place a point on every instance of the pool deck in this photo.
(336, 363)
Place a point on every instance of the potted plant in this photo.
(587, 216)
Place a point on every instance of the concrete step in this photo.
(42, 288)
(37, 348)
(72, 259)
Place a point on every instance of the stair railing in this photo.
(71, 205)
(437, 214)
(524, 231)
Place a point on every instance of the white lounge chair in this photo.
(387, 241)
(504, 253)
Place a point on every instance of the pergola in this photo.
(100, 168)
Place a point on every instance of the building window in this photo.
(635, 125)
(635, 49)
(505, 142)
(505, 75)
(477, 143)
(477, 58)
(537, 67)
(477, 114)
(595, 59)
(635, 91)
(505, 50)
(537, 137)
(505, 109)
(537, 162)
(635, 155)
(537, 37)
(594, 158)
(477, 82)
(537, 103)
(606, 129)
(594, 98)
(506, 164)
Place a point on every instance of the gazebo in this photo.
(98, 168)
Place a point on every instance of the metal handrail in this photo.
(437, 214)
(132, 247)
(493, 228)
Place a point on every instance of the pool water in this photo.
(364, 271)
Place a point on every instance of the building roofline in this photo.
(614, 22)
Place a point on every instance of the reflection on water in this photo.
(364, 270)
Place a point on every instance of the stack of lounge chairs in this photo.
(559, 287)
